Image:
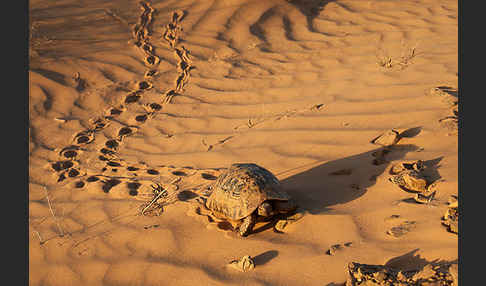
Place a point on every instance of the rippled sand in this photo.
(127, 95)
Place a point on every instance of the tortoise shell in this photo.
(241, 189)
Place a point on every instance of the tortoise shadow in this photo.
(340, 181)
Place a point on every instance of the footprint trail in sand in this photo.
(124, 179)
(136, 107)
(130, 180)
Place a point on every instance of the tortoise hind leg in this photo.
(248, 223)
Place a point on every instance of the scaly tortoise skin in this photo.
(246, 191)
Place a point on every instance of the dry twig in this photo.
(53, 215)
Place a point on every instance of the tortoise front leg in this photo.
(248, 223)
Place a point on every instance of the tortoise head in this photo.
(265, 209)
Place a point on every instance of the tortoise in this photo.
(246, 192)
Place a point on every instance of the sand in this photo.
(132, 100)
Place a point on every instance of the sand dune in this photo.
(131, 101)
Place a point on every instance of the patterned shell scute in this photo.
(242, 188)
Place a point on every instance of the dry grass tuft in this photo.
(386, 61)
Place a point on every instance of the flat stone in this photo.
(281, 225)
(390, 137)
(444, 274)
(407, 166)
(424, 198)
(244, 264)
(332, 250)
(410, 180)
(402, 229)
(451, 217)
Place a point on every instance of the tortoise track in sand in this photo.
(67, 168)
(124, 179)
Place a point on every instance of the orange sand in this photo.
(298, 87)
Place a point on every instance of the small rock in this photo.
(397, 169)
(332, 250)
(401, 276)
(380, 275)
(454, 273)
(390, 137)
(434, 187)
(424, 198)
(452, 199)
(402, 229)
(451, 217)
(410, 180)
(245, 264)
(451, 123)
(366, 274)
(393, 217)
(446, 93)
(298, 215)
(425, 273)
(281, 224)
(407, 165)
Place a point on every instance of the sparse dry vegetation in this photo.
(386, 61)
